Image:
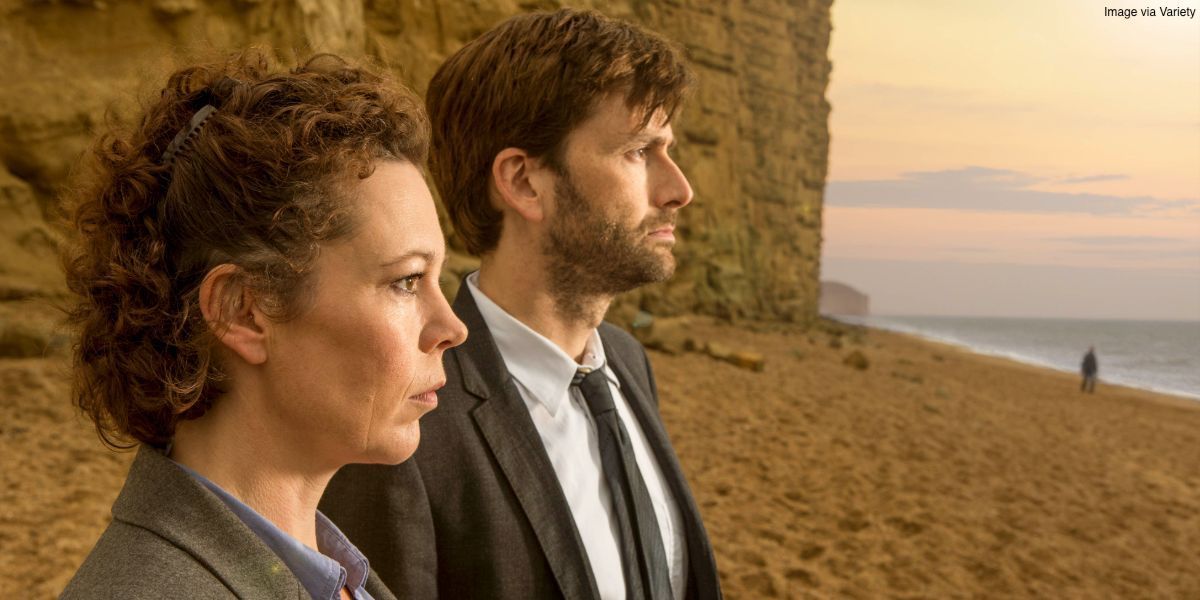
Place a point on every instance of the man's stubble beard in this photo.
(591, 258)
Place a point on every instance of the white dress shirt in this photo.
(543, 374)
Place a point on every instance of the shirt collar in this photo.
(323, 574)
(540, 365)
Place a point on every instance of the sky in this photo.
(1019, 158)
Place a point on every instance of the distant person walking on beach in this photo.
(1090, 368)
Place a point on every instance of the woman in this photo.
(256, 265)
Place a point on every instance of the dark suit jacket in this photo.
(478, 511)
(172, 538)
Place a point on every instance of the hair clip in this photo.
(187, 134)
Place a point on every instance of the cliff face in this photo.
(841, 299)
(754, 137)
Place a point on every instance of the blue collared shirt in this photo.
(338, 564)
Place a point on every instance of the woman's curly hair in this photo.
(260, 184)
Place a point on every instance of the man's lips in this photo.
(666, 232)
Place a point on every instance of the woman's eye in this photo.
(408, 284)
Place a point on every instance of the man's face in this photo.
(612, 224)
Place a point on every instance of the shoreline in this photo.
(1035, 363)
(1017, 357)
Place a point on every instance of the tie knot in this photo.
(579, 375)
(594, 386)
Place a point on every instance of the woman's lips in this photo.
(428, 397)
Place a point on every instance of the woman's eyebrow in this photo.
(424, 254)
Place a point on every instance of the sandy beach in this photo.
(931, 473)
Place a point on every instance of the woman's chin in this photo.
(397, 448)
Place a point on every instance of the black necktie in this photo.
(643, 559)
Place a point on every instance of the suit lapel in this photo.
(197, 522)
(701, 567)
(376, 588)
(504, 423)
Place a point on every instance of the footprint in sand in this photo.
(799, 578)
(853, 523)
(773, 535)
(904, 526)
(760, 584)
(752, 558)
(811, 551)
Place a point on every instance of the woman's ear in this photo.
(520, 184)
(232, 313)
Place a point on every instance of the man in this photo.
(546, 471)
(1090, 368)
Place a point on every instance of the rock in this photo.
(31, 328)
(175, 8)
(748, 360)
(718, 351)
(665, 335)
(18, 340)
(642, 320)
(857, 336)
(856, 359)
(16, 199)
(663, 345)
(739, 358)
(13, 290)
(28, 257)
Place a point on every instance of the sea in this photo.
(1162, 356)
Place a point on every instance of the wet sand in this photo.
(933, 473)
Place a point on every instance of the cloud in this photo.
(978, 188)
(926, 98)
(969, 249)
(1004, 179)
(1093, 178)
(1143, 252)
(1157, 248)
(1176, 207)
(1106, 240)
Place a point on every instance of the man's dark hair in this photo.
(526, 84)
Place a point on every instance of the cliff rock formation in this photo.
(841, 299)
(754, 138)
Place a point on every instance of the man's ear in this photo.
(522, 183)
(232, 313)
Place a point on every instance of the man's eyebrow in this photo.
(652, 139)
(425, 254)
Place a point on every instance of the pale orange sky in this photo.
(1016, 133)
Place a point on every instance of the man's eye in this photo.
(639, 154)
(408, 284)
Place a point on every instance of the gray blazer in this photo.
(172, 538)
(478, 511)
